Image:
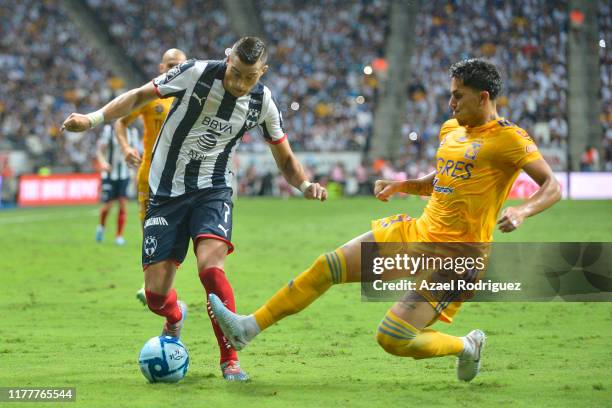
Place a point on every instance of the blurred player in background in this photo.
(191, 174)
(479, 157)
(115, 179)
(153, 115)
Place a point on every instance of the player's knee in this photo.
(328, 268)
(396, 336)
(320, 275)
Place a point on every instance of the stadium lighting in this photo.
(295, 106)
(367, 70)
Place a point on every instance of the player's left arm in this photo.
(548, 194)
(293, 172)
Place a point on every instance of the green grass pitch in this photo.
(69, 318)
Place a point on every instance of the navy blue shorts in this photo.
(171, 222)
(114, 189)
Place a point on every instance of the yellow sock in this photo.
(328, 269)
(400, 338)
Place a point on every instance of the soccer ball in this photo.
(164, 359)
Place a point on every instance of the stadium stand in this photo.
(318, 52)
(531, 53)
(50, 72)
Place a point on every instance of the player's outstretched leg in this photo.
(238, 330)
(341, 266)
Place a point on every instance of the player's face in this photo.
(466, 103)
(241, 77)
(170, 62)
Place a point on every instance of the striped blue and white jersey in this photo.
(114, 156)
(205, 124)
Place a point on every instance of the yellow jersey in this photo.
(153, 115)
(475, 169)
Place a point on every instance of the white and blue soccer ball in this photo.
(164, 359)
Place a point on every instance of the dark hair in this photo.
(478, 74)
(250, 50)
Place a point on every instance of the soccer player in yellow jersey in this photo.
(153, 115)
(479, 157)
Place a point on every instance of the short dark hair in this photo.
(478, 74)
(250, 50)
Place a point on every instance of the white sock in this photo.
(251, 328)
(468, 348)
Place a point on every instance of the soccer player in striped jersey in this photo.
(190, 179)
(115, 179)
(479, 157)
(153, 115)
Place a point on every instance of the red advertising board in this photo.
(60, 189)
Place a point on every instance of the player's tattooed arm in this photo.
(118, 107)
(385, 189)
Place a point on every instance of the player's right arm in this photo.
(118, 107)
(385, 189)
(175, 81)
(132, 158)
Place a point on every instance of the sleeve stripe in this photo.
(279, 141)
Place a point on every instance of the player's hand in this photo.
(510, 219)
(76, 123)
(104, 166)
(132, 158)
(385, 189)
(315, 191)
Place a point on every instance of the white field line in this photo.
(25, 219)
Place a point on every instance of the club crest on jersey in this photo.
(472, 151)
(158, 108)
(150, 245)
(252, 117)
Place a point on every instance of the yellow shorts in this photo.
(143, 190)
(402, 228)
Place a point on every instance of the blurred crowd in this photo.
(145, 30)
(326, 64)
(318, 52)
(531, 53)
(604, 17)
(49, 71)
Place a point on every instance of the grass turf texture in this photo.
(70, 318)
